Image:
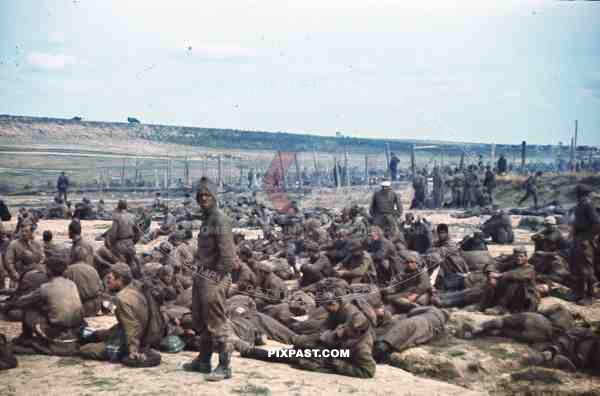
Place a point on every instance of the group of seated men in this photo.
(318, 283)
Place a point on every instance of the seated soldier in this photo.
(152, 262)
(242, 277)
(84, 210)
(270, 289)
(81, 250)
(89, 285)
(549, 258)
(168, 285)
(398, 334)
(346, 327)
(104, 259)
(19, 248)
(57, 210)
(418, 234)
(183, 257)
(358, 266)
(475, 242)
(53, 314)
(49, 245)
(318, 266)
(510, 286)
(337, 249)
(166, 227)
(453, 267)
(140, 325)
(409, 287)
(383, 253)
(499, 228)
(31, 280)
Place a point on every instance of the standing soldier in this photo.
(122, 236)
(458, 184)
(214, 261)
(489, 182)
(502, 165)
(386, 207)
(438, 187)
(420, 187)
(472, 185)
(62, 185)
(394, 161)
(581, 257)
(531, 189)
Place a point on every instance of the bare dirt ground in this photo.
(47, 375)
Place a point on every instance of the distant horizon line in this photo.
(343, 135)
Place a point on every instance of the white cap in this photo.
(550, 220)
(386, 183)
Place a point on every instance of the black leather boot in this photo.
(201, 363)
(223, 370)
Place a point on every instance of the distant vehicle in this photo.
(76, 118)
(133, 120)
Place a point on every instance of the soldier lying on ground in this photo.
(421, 325)
(528, 327)
(345, 328)
(576, 349)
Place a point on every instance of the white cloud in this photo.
(45, 60)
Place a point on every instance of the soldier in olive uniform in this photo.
(386, 209)
(345, 327)
(140, 324)
(550, 251)
(18, 248)
(52, 315)
(409, 287)
(214, 261)
(531, 189)
(438, 187)
(511, 286)
(81, 250)
(586, 228)
(122, 236)
(358, 266)
(422, 325)
(529, 327)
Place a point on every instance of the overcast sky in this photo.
(482, 71)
